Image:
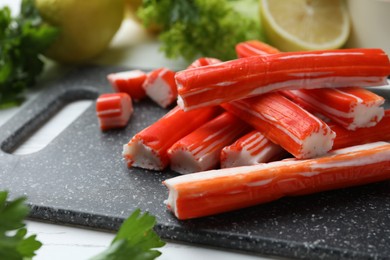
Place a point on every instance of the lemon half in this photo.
(295, 25)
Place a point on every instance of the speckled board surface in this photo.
(80, 178)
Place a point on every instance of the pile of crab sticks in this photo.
(258, 128)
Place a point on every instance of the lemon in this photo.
(86, 27)
(295, 25)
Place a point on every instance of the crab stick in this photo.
(129, 82)
(200, 150)
(148, 148)
(351, 107)
(253, 148)
(232, 80)
(216, 191)
(160, 86)
(285, 123)
(251, 48)
(250, 149)
(203, 61)
(113, 110)
(379, 132)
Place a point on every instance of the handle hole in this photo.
(52, 128)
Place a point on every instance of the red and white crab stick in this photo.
(345, 138)
(200, 150)
(160, 86)
(232, 80)
(113, 110)
(351, 107)
(129, 82)
(285, 123)
(254, 47)
(203, 61)
(250, 149)
(148, 148)
(212, 192)
(254, 148)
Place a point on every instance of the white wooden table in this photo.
(134, 48)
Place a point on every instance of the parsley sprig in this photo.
(135, 239)
(22, 41)
(212, 28)
(14, 244)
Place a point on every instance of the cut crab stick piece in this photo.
(250, 149)
(200, 150)
(351, 107)
(379, 132)
(232, 80)
(148, 148)
(160, 86)
(129, 82)
(251, 48)
(285, 123)
(216, 191)
(113, 110)
(203, 61)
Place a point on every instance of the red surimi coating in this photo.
(219, 83)
(200, 150)
(216, 191)
(254, 148)
(203, 61)
(250, 149)
(113, 110)
(345, 138)
(285, 123)
(129, 82)
(251, 48)
(148, 148)
(351, 107)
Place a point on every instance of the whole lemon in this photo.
(86, 27)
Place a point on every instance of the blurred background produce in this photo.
(196, 28)
(68, 31)
(22, 39)
(176, 31)
(86, 27)
(296, 25)
(133, 5)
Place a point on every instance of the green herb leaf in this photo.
(22, 41)
(135, 240)
(211, 28)
(13, 241)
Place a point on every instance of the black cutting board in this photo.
(80, 178)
